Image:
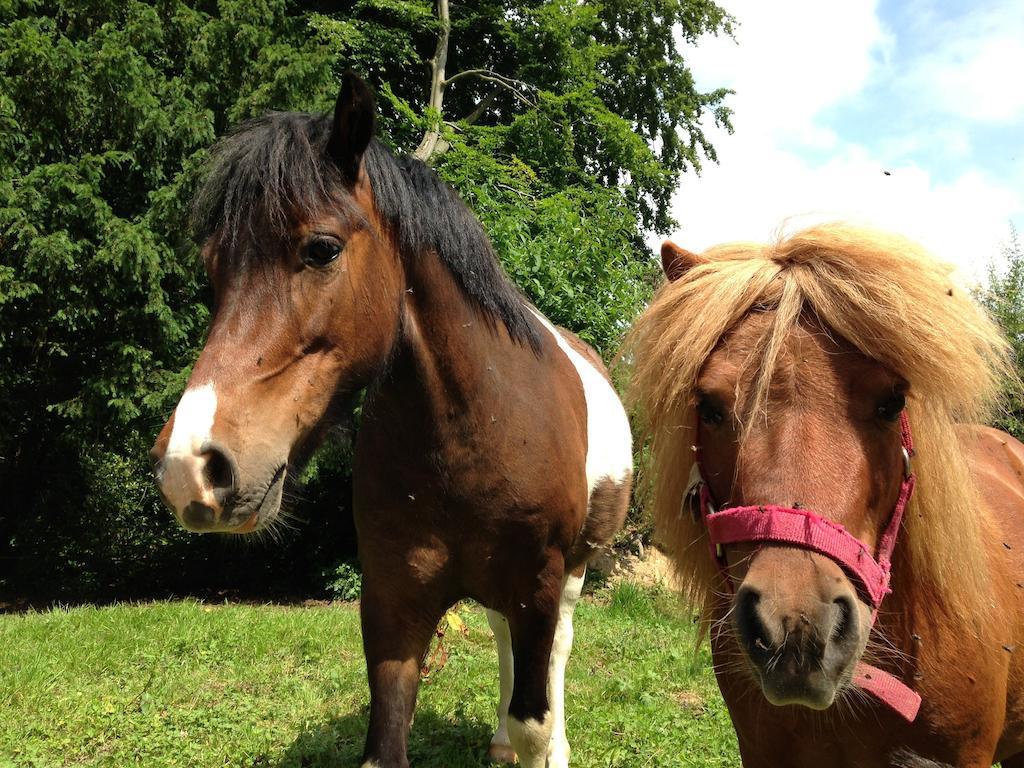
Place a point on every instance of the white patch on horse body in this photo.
(609, 439)
(503, 640)
(558, 747)
(530, 739)
(193, 420)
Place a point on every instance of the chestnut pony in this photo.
(780, 384)
(493, 455)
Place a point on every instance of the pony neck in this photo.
(454, 369)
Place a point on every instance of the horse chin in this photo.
(812, 691)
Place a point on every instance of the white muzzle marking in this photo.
(184, 479)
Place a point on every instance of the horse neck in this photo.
(451, 360)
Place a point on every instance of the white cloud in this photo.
(793, 58)
(759, 189)
(783, 168)
(974, 64)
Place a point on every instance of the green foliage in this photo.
(1004, 299)
(344, 581)
(590, 88)
(572, 251)
(107, 110)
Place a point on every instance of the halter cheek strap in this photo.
(773, 524)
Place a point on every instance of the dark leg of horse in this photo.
(533, 630)
(1017, 761)
(397, 627)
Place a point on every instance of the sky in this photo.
(832, 94)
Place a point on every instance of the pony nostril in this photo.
(753, 633)
(156, 462)
(842, 625)
(220, 473)
(199, 515)
(218, 470)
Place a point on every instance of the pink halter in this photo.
(804, 528)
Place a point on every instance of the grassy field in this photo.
(192, 684)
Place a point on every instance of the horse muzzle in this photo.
(203, 490)
(802, 644)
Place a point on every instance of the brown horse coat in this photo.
(793, 361)
(493, 456)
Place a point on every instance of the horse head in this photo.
(818, 432)
(779, 383)
(307, 295)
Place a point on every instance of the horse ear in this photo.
(354, 123)
(676, 261)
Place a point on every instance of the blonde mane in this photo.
(885, 296)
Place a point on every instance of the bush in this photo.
(344, 581)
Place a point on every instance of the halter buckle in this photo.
(691, 497)
(908, 468)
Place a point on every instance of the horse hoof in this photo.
(501, 753)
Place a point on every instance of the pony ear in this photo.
(676, 261)
(354, 123)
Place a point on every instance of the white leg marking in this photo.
(558, 749)
(503, 640)
(530, 739)
(193, 420)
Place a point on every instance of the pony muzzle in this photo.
(802, 631)
(201, 487)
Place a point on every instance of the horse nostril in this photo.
(218, 470)
(199, 515)
(842, 626)
(221, 473)
(752, 630)
(156, 462)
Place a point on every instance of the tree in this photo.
(578, 92)
(1004, 299)
(545, 121)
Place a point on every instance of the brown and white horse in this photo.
(493, 455)
(781, 384)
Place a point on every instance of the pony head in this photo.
(790, 365)
(306, 307)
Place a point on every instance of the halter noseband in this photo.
(799, 527)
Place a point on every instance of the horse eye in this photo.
(709, 413)
(321, 252)
(891, 408)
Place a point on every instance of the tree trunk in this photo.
(432, 137)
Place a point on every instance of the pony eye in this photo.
(321, 252)
(891, 408)
(710, 413)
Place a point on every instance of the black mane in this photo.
(277, 164)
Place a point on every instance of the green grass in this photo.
(192, 684)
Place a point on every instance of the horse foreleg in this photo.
(558, 750)
(500, 750)
(532, 626)
(397, 627)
